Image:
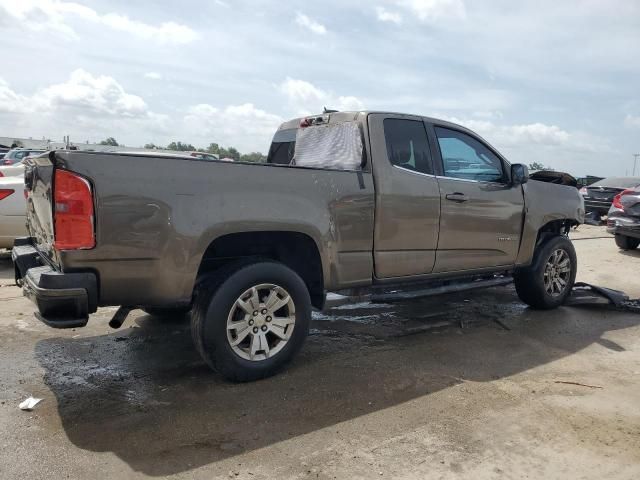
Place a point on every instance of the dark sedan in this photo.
(624, 218)
(599, 196)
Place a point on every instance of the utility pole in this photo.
(635, 160)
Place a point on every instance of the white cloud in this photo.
(385, 15)
(299, 91)
(85, 106)
(305, 98)
(430, 10)
(84, 101)
(166, 32)
(629, 121)
(88, 106)
(349, 103)
(11, 101)
(513, 135)
(310, 24)
(153, 75)
(41, 15)
(239, 125)
(92, 95)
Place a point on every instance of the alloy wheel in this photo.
(261, 322)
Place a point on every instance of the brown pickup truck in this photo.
(346, 202)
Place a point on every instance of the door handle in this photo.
(456, 197)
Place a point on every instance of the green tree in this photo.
(255, 157)
(151, 146)
(181, 147)
(213, 148)
(109, 141)
(538, 166)
(17, 144)
(233, 153)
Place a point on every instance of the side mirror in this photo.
(519, 174)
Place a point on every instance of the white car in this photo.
(16, 170)
(13, 210)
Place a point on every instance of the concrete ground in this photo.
(461, 386)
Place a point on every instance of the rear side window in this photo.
(335, 146)
(465, 157)
(407, 145)
(282, 147)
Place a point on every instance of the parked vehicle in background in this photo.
(205, 156)
(347, 201)
(13, 209)
(16, 170)
(588, 180)
(623, 219)
(18, 154)
(598, 196)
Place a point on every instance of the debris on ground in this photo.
(585, 294)
(29, 404)
(577, 383)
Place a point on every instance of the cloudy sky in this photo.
(550, 81)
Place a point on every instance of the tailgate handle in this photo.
(457, 197)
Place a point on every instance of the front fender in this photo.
(546, 203)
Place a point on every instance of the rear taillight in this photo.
(1, 174)
(616, 200)
(5, 192)
(72, 212)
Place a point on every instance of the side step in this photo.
(431, 291)
(400, 293)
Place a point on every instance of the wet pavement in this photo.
(471, 385)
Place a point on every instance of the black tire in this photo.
(214, 300)
(530, 281)
(167, 313)
(627, 243)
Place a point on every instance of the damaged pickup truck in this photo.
(346, 202)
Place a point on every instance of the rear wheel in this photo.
(548, 281)
(250, 324)
(627, 243)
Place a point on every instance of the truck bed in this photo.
(156, 216)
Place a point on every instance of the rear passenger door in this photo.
(481, 214)
(407, 196)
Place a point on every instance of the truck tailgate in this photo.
(38, 180)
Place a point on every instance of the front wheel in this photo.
(627, 243)
(248, 324)
(548, 281)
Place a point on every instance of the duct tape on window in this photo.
(335, 146)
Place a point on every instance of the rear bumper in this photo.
(627, 226)
(601, 207)
(64, 300)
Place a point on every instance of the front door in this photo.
(407, 197)
(481, 214)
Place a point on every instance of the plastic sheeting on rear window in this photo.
(337, 146)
